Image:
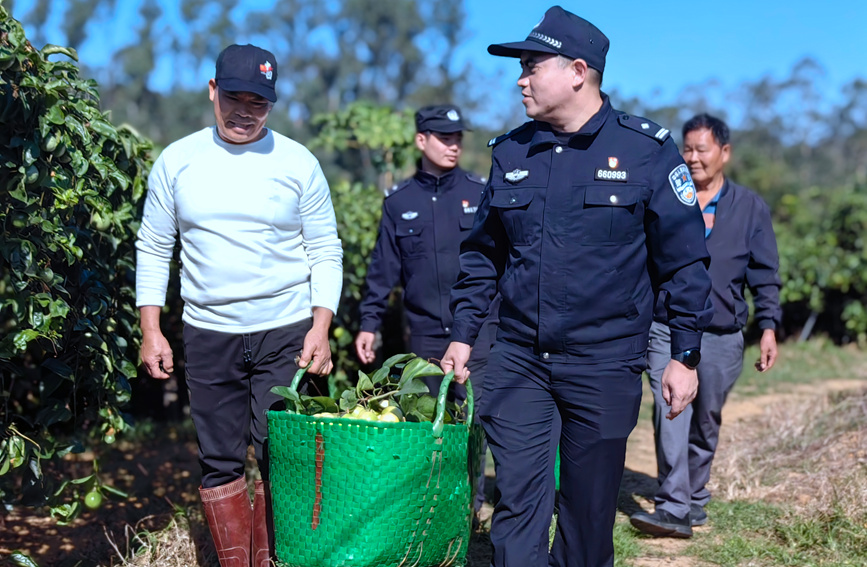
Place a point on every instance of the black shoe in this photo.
(697, 515)
(661, 524)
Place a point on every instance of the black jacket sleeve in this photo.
(763, 270)
(383, 274)
(678, 257)
(482, 261)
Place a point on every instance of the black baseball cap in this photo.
(249, 69)
(443, 118)
(563, 33)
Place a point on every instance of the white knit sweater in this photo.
(259, 245)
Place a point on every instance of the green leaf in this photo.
(364, 383)
(286, 392)
(103, 128)
(381, 375)
(348, 400)
(21, 559)
(398, 358)
(51, 49)
(57, 367)
(419, 367)
(317, 404)
(23, 337)
(112, 490)
(83, 480)
(427, 406)
(413, 387)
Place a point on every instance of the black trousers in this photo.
(532, 403)
(229, 378)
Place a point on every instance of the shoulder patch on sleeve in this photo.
(395, 188)
(507, 135)
(644, 126)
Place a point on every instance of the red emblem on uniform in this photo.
(465, 203)
(612, 162)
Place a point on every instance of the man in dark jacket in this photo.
(587, 212)
(424, 220)
(743, 250)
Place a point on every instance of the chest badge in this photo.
(516, 175)
(612, 173)
(409, 215)
(468, 210)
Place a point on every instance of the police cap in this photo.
(442, 118)
(563, 33)
(247, 68)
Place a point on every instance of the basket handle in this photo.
(439, 421)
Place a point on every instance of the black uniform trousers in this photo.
(229, 378)
(531, 403)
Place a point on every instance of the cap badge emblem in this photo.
(613, 162)
(453, 115)
(516, 175)
(267, 70)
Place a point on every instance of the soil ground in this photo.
(161, 475)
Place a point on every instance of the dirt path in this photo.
(639, 483)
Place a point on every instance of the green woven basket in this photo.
(368, 494)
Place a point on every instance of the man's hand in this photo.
(316, 351)
(679, 387)
(768, 348)
(156, 354)
(456, 358)
(364, 346)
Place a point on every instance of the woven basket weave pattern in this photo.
(381, 494)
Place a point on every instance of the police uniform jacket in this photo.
(580, 231)
(743, 251)
(423, 223)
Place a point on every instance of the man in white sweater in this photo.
(261, 275)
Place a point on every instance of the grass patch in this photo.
(759, 534)
(801, 363)
(626, 547)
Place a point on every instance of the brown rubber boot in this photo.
(263, 525)
(230, 517)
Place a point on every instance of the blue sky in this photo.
(660, 46)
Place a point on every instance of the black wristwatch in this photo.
(690, 357)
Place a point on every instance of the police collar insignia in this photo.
(681, 182)
(516, 175)
(409, 215)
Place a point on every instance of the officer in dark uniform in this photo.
(424, 220)
(587, 213)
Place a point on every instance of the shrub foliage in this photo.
(71, 187)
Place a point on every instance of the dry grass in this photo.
(811, 455)
(173, 546)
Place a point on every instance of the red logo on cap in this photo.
(266, 67)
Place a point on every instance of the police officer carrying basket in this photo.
(587, 213)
